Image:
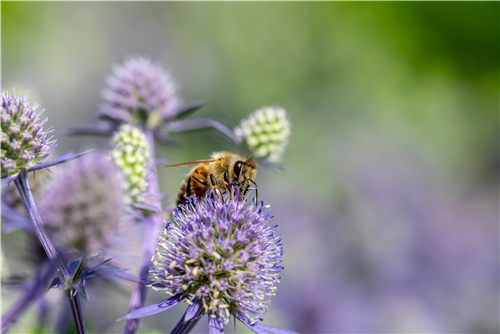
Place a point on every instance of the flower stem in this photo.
(154, 224)
(30, 293)
(183, 326)
(23, 187)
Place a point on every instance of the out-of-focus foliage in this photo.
(390, 212)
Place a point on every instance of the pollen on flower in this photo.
(266, 133)
(24, 143)
(227, 268)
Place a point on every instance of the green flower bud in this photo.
(131, 153)
(265, 133)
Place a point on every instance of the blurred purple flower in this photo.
(24, 142)
(84, 202)
(139, 92)
(222, 257)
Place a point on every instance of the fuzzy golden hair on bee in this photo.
(217, 175)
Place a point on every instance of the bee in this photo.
(217, 174)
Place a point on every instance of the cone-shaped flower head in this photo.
(139, 92)
(24, 142)
(222, 255)
(84, 202)
(266, 133)
(131, 153)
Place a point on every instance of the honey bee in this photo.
(217, 174)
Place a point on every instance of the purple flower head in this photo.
(221, 254)
(24, 143)
(84, 202)
(139, 92)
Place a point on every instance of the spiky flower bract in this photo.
(84, 203)
(131, 153)
(24, 142)
(139, 92)
(265, 133)
(221, 254)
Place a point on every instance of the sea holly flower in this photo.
(265, 133)
(139, 92)
(132, 154)
(24, 142)
(222, 257)
(84, 203)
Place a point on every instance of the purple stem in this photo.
(31, 292)
(23, 187)
(154, 224)
(189, 319)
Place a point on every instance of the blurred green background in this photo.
(390, 211)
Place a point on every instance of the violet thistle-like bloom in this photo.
(222, 257)
(24, 142)
(84, 202)
(139, 92)
(265, 133)
(132, 154)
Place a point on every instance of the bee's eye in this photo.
(237, 168)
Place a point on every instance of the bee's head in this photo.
(243, 170)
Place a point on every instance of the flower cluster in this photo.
(266, 133)
(24, 143)
(139, 92)
(131, 153)
(84, 202)
(221, 254)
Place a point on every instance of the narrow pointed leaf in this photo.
(55, 283)
(62, 159)
(74, 264)
(146, 207)
(82, 291)
(203, 123)
(153, 309)
(98, 129)
(9, 178)
(107, 118)
(187, 110)
(103, 270)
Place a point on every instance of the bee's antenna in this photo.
(256, 191)
(190, 162)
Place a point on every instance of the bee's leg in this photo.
(189, 186)
(215, 187)
(228, 185)
(198, 179)
(247, 190)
